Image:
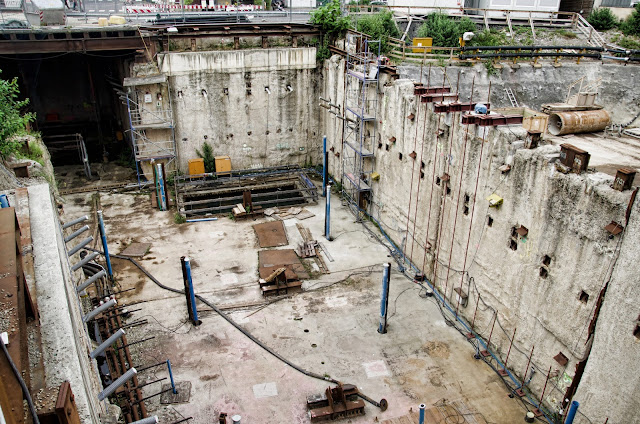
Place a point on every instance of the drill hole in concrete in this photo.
(489, 221)
(513, 245)
(306, 330)
(583, 297)
(314, 345)
(322, 362)
(546, 260)
(543, 272)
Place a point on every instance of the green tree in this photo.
(380, 26)
(444, 30)
(602, 19)
(12, 121)
(631, 25)
(333, 24)
(207, 155)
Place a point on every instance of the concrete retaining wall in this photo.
(221, 97)
(565, 216)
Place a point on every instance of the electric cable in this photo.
(25, 390)
(382, 404)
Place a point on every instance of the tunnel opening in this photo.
(75, 94)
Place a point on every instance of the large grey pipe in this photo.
(104, 345)
(99, 310)
(119, 382)
(91, 280)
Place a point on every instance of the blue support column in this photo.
(572, 412)
(4, 202)
(105, 248)
(324, 165)
(422, 407)
(173, 384)
(188, 286)
(162, 199)
(327, 214)
(384, 302)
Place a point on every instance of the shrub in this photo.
(380, 26)
(207, 155)
(330, 19)
(12, 121)
(444, 30)
(602, 19)
(179, 219)
(631, 25)
(489, 38)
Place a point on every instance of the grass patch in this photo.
(179, 219)
(565, 33)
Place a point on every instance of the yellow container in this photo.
(420, 42)
(196, 166)
(223, 164)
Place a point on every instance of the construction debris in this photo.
(340, 402)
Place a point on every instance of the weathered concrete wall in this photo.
(565, 216)
(611, 376)
(64, 334)
(534, 87)
(221, 97)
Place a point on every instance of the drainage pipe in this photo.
(74, 222)
(148, 420)
(85, 261)
(119, 382)
(104, 345)
(76, 234)
(383, 404)
(91, 280)
(99, 310)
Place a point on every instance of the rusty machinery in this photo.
(339, 402)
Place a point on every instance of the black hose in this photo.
(382, 404)
(25, 391)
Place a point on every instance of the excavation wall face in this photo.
(533, 87)
(544, 283)
(255, 105)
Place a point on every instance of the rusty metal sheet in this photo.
(136, 249)
(271, 259)
(66, 408)
(271, 234)
(12, 311)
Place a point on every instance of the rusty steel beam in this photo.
(13, 303)
(70, 45)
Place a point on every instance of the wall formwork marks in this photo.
(565, 215)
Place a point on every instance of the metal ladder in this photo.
(511, 96)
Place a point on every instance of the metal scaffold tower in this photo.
(148, 102)
(360, 131)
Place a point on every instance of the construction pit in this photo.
(383, 237)
(330, 328)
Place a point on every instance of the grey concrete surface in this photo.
(331, 327)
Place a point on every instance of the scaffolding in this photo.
(152, 128)
(360, 124)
